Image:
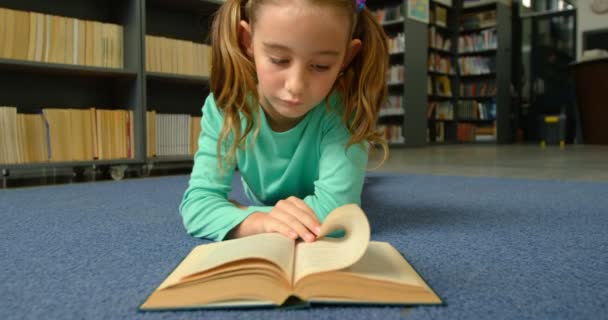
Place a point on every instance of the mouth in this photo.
(291, 103)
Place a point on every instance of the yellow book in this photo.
(9, 34)
(273, 270)
(22, 35)
(151, 133)
(89, 27)
(3, 30)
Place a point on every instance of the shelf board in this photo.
(441, 120)
(478, 52)
(442, 29)
(478, 29)
(481, 75)
(439, 97)
(180, 78)
(188, 5)
(439, 73)
(164, 159)
(68, 164)
(393, 23)
(480, 4)
(389, 115)
(441, 51)
(65, 69)
(477, 120)
(476, 97)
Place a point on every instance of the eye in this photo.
(279, 61)
(320, 67)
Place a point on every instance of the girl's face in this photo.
(298, 50)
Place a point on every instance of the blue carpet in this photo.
(491, 248)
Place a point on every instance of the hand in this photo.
(292, 217)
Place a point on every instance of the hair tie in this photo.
(360, 5)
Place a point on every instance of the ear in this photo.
(245, 38)
(351, 52)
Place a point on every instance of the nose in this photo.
(296, 81)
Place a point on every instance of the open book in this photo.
(273, 270)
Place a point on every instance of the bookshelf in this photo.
(479, 109)
(176, 82)
(403, 116)
(484, 58)
(441, 82)
(56, 74)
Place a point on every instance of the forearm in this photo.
(248, 227)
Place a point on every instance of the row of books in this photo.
(171, 134)
(177, 56)
(469, 132)
(66, 135)
(397, 43)
(484, 40)
(481, 88)
(390, 13)
(440, 135)
(438, 41)
(396, 74)
(440, 110)
(476, 110)
(440, 63)
(392, 133)
(63, 134)
(439, 86)
(393, 106)
(439, 16)
(476, 65)
(477, 20)
(462, 132)
(54, 39)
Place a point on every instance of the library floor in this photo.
(574, 162)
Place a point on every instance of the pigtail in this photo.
(232, 79)
(363, 84)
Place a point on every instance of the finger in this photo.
(305, 214)
(304, 207)
(290, 219)
(275, 225)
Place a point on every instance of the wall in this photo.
(587, 20)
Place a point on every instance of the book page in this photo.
(272, 247)
(382, 275)
(382, 261)
(329, 254)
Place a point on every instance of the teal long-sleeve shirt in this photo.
(309, 161)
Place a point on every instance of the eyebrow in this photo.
(276, 46)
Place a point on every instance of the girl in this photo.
(296, 90)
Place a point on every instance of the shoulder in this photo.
(210, 108)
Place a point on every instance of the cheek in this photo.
(267, 76)
(324, 84)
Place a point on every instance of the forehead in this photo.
(302, 26)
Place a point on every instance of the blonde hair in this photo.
(362, 86)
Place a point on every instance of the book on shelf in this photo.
(440, 16)
(270, 270)
(55, 39)
(176, 56)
